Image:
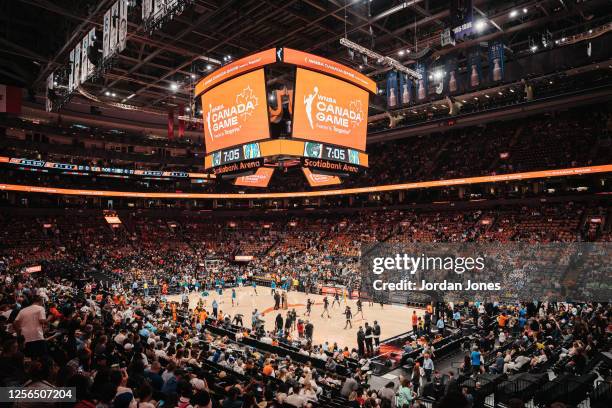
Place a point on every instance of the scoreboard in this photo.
(327, 115)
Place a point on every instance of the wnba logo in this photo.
(308, 100)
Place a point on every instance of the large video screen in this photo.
(329, 110)
(236, 112)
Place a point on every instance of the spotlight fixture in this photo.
(400, 53)
(208, 67)
(513, 13)
(174, 86)
(525, 10)
(383, 60)
(113, 95)
(107, 93)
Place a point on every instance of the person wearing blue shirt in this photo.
(440, 326)
(475, 358)
(457, 318)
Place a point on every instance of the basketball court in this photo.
(393, 319)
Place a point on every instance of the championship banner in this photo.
(10, 99)
(50, 90)
(496, 61)
(77, 65)
(261, 178)
(91, 64)
(71, 75)
(329, 110)
(159, 7)
(236, 112)
(474, 67)
(122, 29)
(405, 89)
(319, 180)
(422, 84)
(147, 9)
(462, 16)
(171, 124)
(451, 73)
(392, 90)
(84, 59)
(114, 27)
(106, 34)
(439, 79)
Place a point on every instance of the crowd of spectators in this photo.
(97, 319)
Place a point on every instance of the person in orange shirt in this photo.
(165, 289)
(502, 319)
(203, 316)
(268, 370)
(173, 308)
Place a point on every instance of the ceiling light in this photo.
(534, 48)
(401, 52)
(188, 109)
(113, 94)
(464, 101)
(131, 96)
(54, 83)
(475, 98)
(174, 86)
(487, 96)
(209, 67)
(590, 31)
(525, 10)
(361, 67)
(200, 111)
(106, 93)
(550, 82)
(512, 90)
(480, 25)
(193, 76)
(513, 13)
(500, 93)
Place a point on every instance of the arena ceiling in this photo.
(37, 36)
